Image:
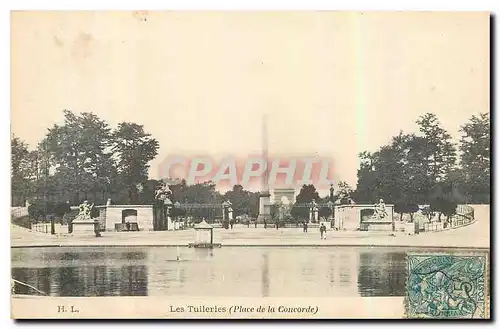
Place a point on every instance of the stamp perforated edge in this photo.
(472, 252)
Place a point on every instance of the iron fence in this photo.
(18, 212)
(464, 216)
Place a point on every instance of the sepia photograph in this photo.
(256, 165)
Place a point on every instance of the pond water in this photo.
(224, 272)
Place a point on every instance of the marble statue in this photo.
(313, 211)
(226, 205)
(163, 192)
(380, 211)
(284, 208)
(84, 211)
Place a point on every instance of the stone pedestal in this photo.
(376, 225)
(265, 208)
(85, 227)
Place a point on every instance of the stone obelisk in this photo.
(265, 196)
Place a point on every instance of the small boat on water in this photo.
(39, 294)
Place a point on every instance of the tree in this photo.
(428, 212)
(240, 200)
(344, 194)
(134, 149)
(147, 196)
(22, 172)
(40, 209)
(79, 150)
(324, 209)
(475, 158)
(385, 174)
(201, 199)
(82, 158)
(366, 191)
(406, 207)
(302, 201)
(306, 194)
(178, 191)
(400, 208)
(438, 156)
(61, 209)
(443, 202)
(407, 169)
(448, 208)
(253, 204)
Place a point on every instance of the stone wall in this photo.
(17, 212)
(144, 217)
(348, 217)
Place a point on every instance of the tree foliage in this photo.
(134, 149)
(300, 209)
(243, 202)
(83, 159)
(475, 159)
(406, 170)
(422, 168)
(22, 171)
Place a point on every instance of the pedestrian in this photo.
(231, 222)
(322, 230)
(255, 223)
(304, 227)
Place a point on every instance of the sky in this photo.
(332, 84)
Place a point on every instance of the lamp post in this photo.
(177, 205)
(330, 206)
(225, 216)
(332, 219)
(168, 207)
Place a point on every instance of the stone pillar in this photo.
(264, 207)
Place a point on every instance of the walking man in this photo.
(322, 230)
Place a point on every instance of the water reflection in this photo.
(382, 274)
(251, 272)
(265, 275)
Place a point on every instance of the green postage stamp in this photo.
(447, 285)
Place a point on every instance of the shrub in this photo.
(406, 207)
(41, 209)
(444, 205)
(61, 209)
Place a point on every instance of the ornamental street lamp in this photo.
(330, 206)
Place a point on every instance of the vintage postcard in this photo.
(322, 165)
